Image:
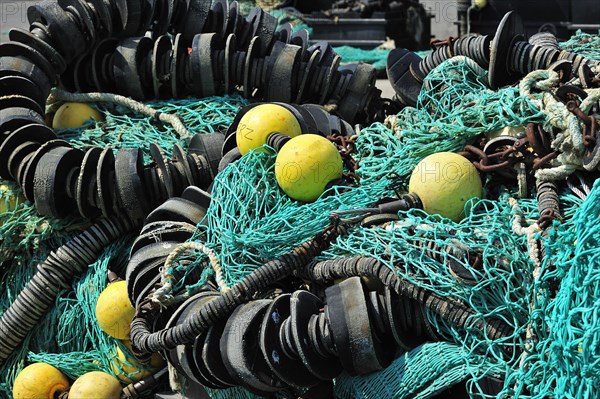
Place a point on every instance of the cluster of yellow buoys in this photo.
(307, 163)
(304, 165)
(43, 381)
(114, 314)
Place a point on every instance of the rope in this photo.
(530, 232)
(62, 95)
(163, 295)
(570, 140)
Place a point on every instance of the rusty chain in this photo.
(534, 150)
(346, 147)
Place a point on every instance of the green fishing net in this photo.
(421, 373)
(376, 57)
(122, 129)
(551, 307)
(259, 222)
(585, 44)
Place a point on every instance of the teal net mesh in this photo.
(122, 129)
(376, 57)
(248, 227)
(420, 373)
(251, 221)
(564, 356)
(585, 44)
(287, 15)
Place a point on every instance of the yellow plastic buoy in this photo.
(40, 381)
(480, 3)
(259, 122)
(96, 385)
(129, 370)
(114, 311)
(74, 115)
(444, 182)
(305, 165)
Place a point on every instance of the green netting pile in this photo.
(552, 307)
(121, 129)
(585, 44)
(259, 222)
(564, 357)
(291, 15)
(420, 373)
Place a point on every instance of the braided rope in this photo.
(163, 296)
(173, 120)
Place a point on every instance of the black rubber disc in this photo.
(241, 352)
(289, 369)
(510, 26)
(49, 52)
(34, 132)
(144, 257)
(358, 348)
(105, 182)
(210, 353)
(128, 168)
(197, 196)
(302, 307)
(156, 232)
(178, 210)
(18, 85)
(29, 173)
(50, 181)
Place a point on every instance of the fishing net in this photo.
(550, 307)
(259, 222)
(425, 371)
(585, 44)
(122, 129)
(291, 15)
(563, 354)
(376, 57)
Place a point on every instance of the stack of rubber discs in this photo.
(122, 46)
(167, 226)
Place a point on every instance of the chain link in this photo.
(346, 147)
